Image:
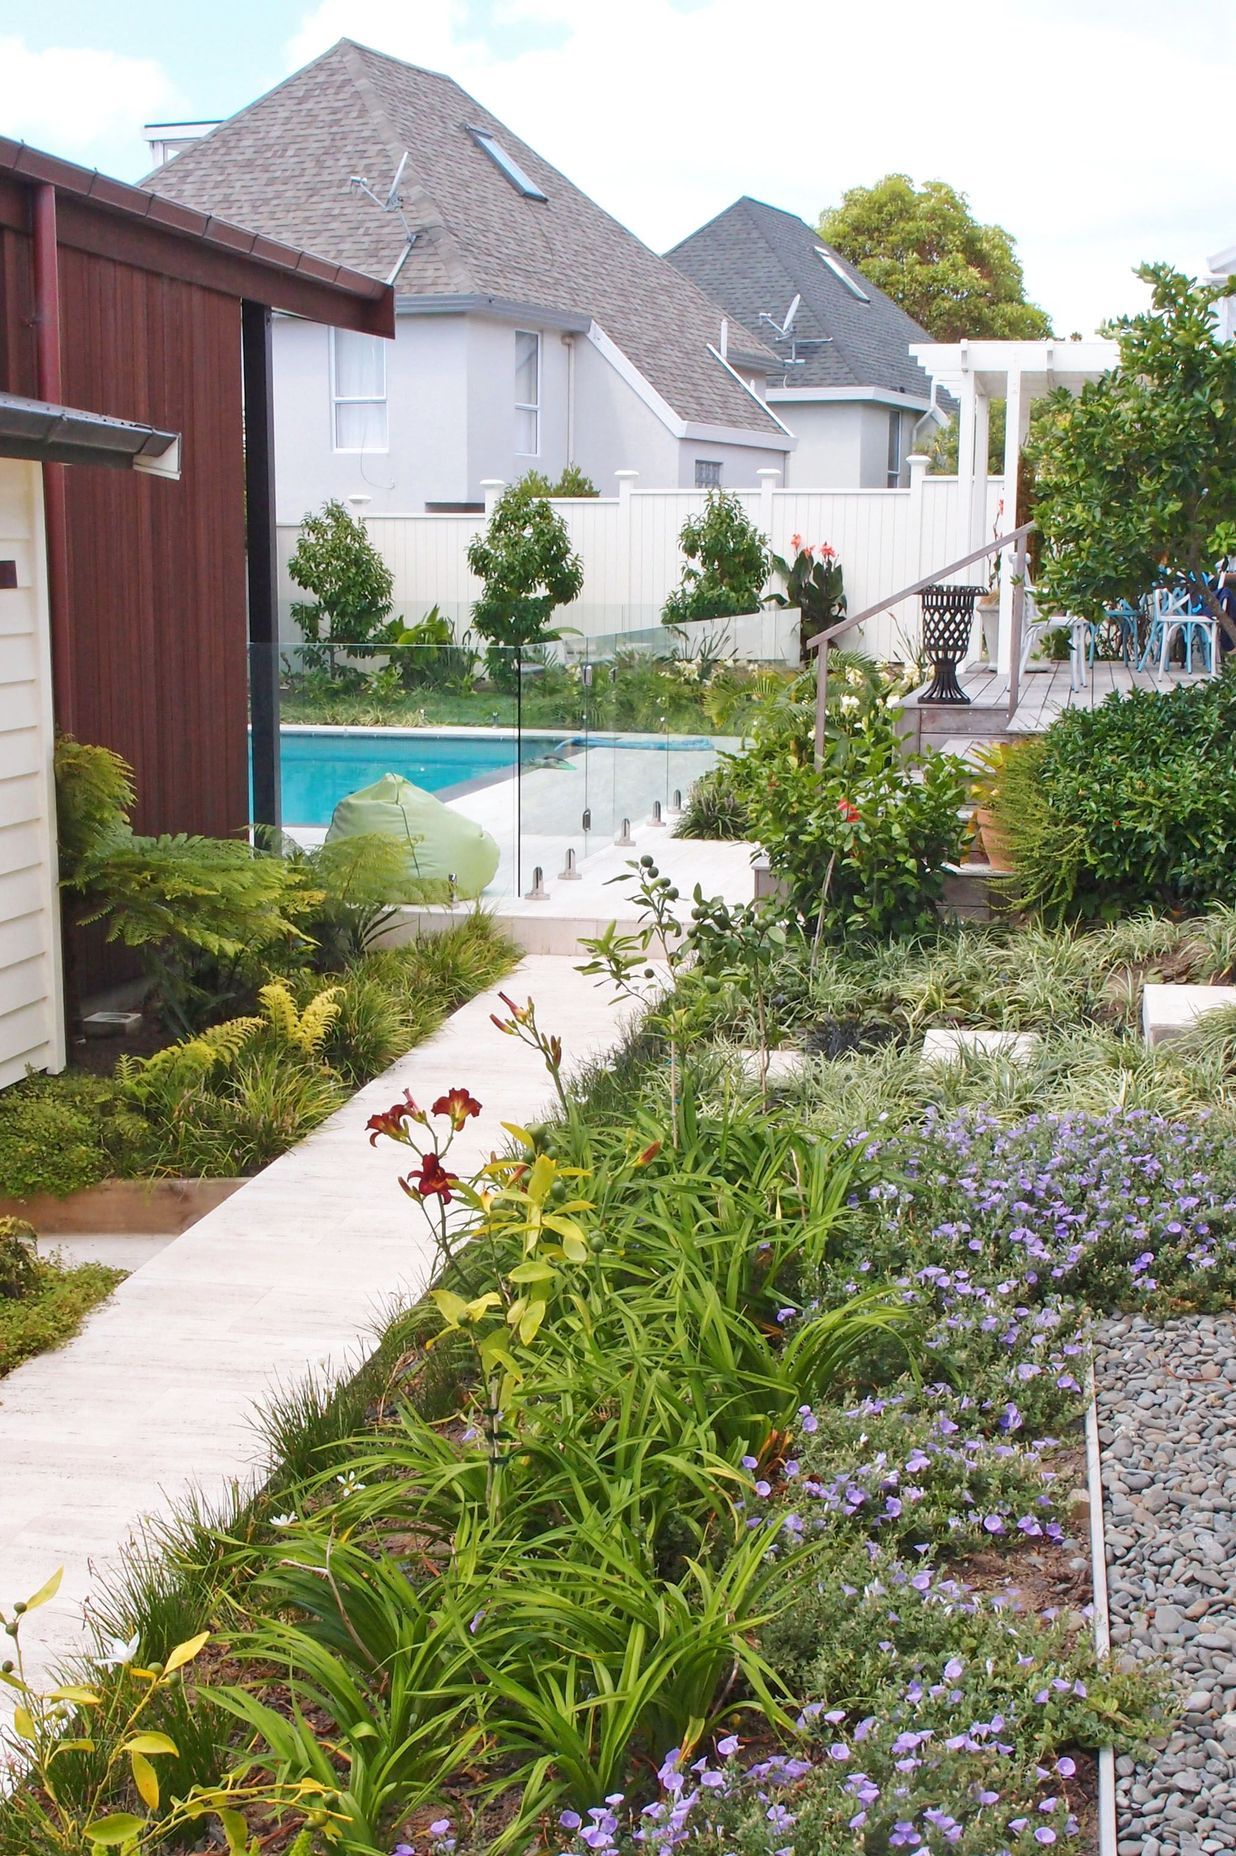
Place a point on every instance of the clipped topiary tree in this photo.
(351, 585)
(732, 558)
(528, 569)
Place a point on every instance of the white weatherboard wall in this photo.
(31, 1012)
(886, 539)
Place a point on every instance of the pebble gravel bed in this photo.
(1166, 1397)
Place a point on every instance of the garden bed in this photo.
(51, 1310)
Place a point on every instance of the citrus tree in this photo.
(528, 568)
(351, 585)
(1136, 477)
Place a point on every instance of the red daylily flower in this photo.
(458, 1104)
(433, 1181)
(391, 1121)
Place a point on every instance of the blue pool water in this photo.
(320, 769)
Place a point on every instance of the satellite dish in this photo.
(782, 329)
(393, 203)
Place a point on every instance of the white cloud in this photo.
(1045, 115)
(83, 103)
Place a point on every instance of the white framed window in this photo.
(894, 450)
(358, 391)
(527, 393)
(707, 474)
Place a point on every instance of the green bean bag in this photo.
(448, 854)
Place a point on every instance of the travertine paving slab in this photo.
(952, 1043)
(1169, 1011)
(156, 1395)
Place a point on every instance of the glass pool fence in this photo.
(551, 751)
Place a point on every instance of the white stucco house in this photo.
(533, 330)
(1222, 268)
(845, 381)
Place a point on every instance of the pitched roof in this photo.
(754, 258)
(284, 163)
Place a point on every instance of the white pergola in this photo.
(975, 373)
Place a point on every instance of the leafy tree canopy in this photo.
(925, 249)
(527, 566)
(1136, 477)
(732, 558)
(351, 584)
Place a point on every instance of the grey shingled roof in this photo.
(284, 162)
(754, 258)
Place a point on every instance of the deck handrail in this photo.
(823, 640)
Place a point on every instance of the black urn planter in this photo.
(948, 618)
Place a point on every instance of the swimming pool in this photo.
(321, 766)
(564, 777)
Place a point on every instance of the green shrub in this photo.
(52, 1308)
(60, 1133)
(859, 842)
(18, 1259)
(1128, 804)
(733, 563)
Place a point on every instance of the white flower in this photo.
(850, 705)
(349, 1483)
(855, 678)
(283, 1520)
(119, 1652)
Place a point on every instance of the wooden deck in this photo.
(1045, 694)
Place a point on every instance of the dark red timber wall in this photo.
(156, 569)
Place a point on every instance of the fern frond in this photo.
(304, 1031)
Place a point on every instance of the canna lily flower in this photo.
(458, 1104)
(433, 1181)
(391, 1121)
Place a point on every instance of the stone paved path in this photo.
(156, 1395)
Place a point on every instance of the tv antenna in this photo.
(393, 203)
(782, 329)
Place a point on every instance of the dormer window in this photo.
(855, 289)
(510, 167)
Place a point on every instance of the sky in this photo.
(1098, 132)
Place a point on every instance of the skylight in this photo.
(510, 167)
(854, 289)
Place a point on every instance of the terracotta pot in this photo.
(995, 841)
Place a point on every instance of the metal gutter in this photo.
(53, 434)
(507, 309)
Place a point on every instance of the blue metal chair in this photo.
(1175, 614)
